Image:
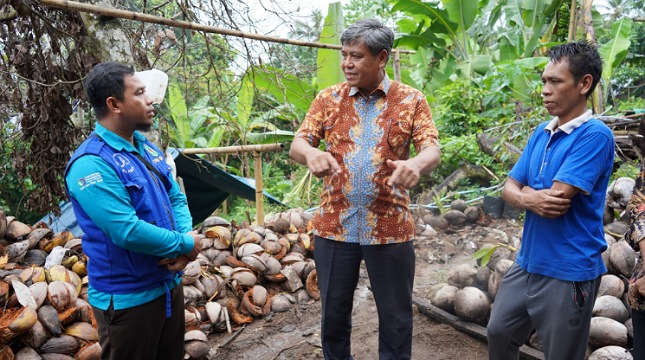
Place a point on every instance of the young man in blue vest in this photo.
(561, 180)
(136, 222)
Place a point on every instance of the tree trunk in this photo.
(573, 20)
(597, 96)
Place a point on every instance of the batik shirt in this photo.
(361, 133)
(636, 234)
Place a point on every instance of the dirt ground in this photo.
(295, 334)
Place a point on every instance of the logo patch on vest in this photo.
(150, 150)
(123, 162)
(89, 180)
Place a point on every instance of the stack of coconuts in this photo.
(242, 273)
(470, 289)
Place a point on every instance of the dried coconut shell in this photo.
(58, 295)
(605, 332)
(611, 285)
(89, 352)
(280, 303)
(196, 349)
(54, 356)
(253, 309)
(462, 275)
(622, 258)
(68, 316)
(48, 317)
(17, 251)
(38, 234)
(16, 321)
(33, 274)
(27, 353)
(471, 304)
(610, 307)
(16, 230)
(611, 352)
(312, 285)
(236, 316)
(35, 257)
(64, 344)
(444, 298)
(83, 331)
(36, 336)
(39, 292)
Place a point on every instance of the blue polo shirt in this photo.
(108, 202)
(581, 154)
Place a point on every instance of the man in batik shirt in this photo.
(368, 124)
(635, 236)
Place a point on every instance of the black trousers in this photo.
(143, 332)
(391, 271)
(638, 321)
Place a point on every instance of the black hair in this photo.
(103, 81)
(583, 59)
(376, 36)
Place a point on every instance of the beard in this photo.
(144, 127)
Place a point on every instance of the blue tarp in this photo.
(206, 185)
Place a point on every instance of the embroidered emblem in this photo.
(123, 162)
(89, 180)
(150, 150)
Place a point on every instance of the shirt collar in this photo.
(569, 126)
(384, 87)
(117, 142)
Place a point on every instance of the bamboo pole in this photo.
(236, 149)
(573, 21)
(397, 66)
(137, 16)
(257, 151)
(259, 189)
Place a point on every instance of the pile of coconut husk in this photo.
(470, 289)
(242, 273)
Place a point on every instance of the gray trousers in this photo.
(559, 310)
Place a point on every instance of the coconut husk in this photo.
(16, 321)
(312, 285)
(89, 352)
(236, 316)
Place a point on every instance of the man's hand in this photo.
(176, 264)
(637, 287)
(546, 203)
(197, 247)
(322, 164)
(405, 173)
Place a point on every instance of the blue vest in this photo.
(113, 269)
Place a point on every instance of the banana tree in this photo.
(470, 36)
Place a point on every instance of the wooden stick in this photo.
(259, 189)
(425, 307)
(137, 16)
(236, 149)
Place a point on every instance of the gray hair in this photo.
(376, 36)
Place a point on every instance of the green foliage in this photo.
(457, 108)
(484, 254)
(329, 72)
(632, 103)
(14, 189)
(628, 169)
(614, 51)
